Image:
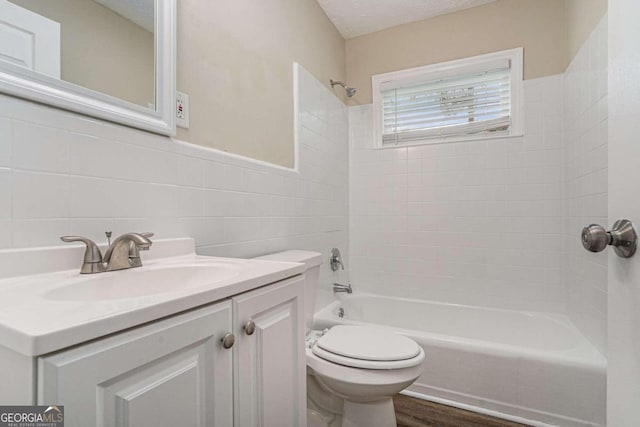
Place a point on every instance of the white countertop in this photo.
(50, 311)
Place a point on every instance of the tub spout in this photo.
(342, 288)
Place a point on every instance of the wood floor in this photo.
(411, 412)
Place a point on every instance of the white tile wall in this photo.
(62, 173)
(474, 222)
(586, 184)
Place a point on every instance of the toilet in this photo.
(353, 372)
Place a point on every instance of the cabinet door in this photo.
(170, 373)
(270, 363)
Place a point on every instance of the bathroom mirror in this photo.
(112, 59)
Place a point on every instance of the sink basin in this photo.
(145, 281)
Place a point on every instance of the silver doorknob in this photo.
(595, 238)
(622, 237)
(228, 340)
(249, 327)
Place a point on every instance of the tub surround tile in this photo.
(462, 203)
(585, 165)
(5, 193)
(5, 233)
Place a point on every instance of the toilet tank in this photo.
(312, 261)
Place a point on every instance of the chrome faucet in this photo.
(123, 253)
(342, 288)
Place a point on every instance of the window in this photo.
(472, 98)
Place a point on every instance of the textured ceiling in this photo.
(357, 17)
(140, 12)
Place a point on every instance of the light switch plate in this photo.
(182, 110)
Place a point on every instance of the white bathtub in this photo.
(523, 366)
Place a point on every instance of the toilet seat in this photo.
(367, 348)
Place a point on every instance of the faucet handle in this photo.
(134, 251)
(92, 253)
(92, 256)
(336, 260)
(133, 248)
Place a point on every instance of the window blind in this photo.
(472, 102)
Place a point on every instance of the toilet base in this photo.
(380, 413)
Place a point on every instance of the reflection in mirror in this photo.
(103, 45)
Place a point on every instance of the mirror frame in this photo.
(28, 84)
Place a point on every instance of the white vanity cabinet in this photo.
(176, 371)
(271, 388)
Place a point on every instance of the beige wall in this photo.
(235, 58)
(537, 25)
(100, 49)
(235, 61)
(582, 18)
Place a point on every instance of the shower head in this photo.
(350, 90)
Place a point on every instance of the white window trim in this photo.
(436, 71)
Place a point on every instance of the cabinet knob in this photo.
(228, 340)
(249, 327)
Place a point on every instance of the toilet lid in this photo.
(365, 343)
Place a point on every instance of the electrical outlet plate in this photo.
(182, 110)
